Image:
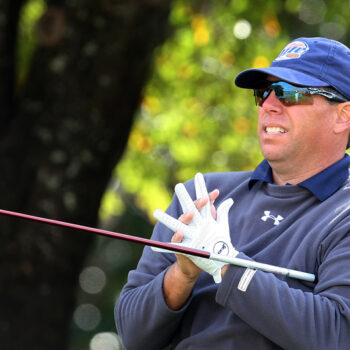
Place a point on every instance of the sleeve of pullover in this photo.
(142, 317)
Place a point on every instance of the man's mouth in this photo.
(275, 130)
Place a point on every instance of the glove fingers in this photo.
(217, 277)
(173, 224)
(187, 203)
(222, 212)
(202, 192)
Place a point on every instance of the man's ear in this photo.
(343, 118)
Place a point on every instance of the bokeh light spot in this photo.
(201, 32)
(332, 30)
(260, 62)
(92, 280)
(242, 29)
(271, 26)
(87, 317)
(312, 11)
(105, 341)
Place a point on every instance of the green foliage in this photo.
(30, 13)
(192, 117)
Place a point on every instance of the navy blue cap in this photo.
(306, 61)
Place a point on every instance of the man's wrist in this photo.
(177, 286)
(186, 278)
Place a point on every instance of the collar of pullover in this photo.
(322, 185)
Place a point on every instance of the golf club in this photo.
(169, 247)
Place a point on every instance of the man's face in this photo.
(297, 133)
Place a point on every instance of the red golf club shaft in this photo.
(168, 246)
(121, 236)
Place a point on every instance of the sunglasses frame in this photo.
(301, 94)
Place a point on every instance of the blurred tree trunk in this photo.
(68, 128)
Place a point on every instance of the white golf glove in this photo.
(204, 232)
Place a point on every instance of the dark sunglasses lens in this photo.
(261, 95)
(288, 94)
(292, 95)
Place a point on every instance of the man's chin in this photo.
(272, 154)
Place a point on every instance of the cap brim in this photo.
(254, 78)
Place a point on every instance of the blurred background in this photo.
(105, 106)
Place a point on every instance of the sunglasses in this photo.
(290, 95)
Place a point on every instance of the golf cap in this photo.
(308, 62)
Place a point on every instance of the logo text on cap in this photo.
(293, 50)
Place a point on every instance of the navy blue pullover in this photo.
(303, 227)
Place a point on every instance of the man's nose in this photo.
(272, 103)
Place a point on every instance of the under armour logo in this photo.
(274, 218)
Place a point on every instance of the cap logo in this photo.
(293, 50)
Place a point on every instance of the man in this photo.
(292, 211)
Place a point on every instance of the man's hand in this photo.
(186, 265)
(182, 275)
(201, 231)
